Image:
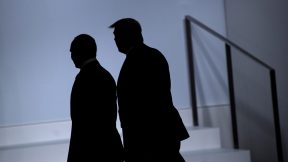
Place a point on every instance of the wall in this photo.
(260, 26)
(37, 73)
(35, 66)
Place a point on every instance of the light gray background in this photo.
(37, 72)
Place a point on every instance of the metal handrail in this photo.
(227, 41)
(188, 20)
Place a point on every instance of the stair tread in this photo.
(217, 155)
(216, 150)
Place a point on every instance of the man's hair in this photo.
(129, 27)
(85, 44)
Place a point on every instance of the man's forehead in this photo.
(115, 31)
(120, 31)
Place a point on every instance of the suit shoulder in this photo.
(106, 75)
(156, 54)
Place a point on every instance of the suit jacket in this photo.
(93, 114)
(146, 108)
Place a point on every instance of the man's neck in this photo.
(129, 50)
(88, 61)
(133, 47)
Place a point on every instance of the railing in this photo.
(228, 44)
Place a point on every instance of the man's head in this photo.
(127, 33)
(83, 48)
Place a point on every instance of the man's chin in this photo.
(122, 51)
(77, 66)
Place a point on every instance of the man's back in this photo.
(93, 114)
(146, 110)
(143, 85)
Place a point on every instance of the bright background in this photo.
(35, 35)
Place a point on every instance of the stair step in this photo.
(52, 152)
(50, 142)
(217, 155)
(57, 152)
(201, 138)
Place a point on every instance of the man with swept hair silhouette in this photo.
(152, 127)
(94, 135)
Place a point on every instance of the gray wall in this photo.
(260, 26)
(36, 70)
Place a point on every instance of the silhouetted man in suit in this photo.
(152, 127)
(94, 136)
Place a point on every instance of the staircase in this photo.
(49, 142)
(248, 138)
(204, 145)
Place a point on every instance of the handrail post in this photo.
(276, 115)
(232, 95)
(191, 73)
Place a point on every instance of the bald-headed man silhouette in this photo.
(94, 136)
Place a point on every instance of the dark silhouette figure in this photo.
(94, 134)
(152, 127)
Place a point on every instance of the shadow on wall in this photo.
(210, 73)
